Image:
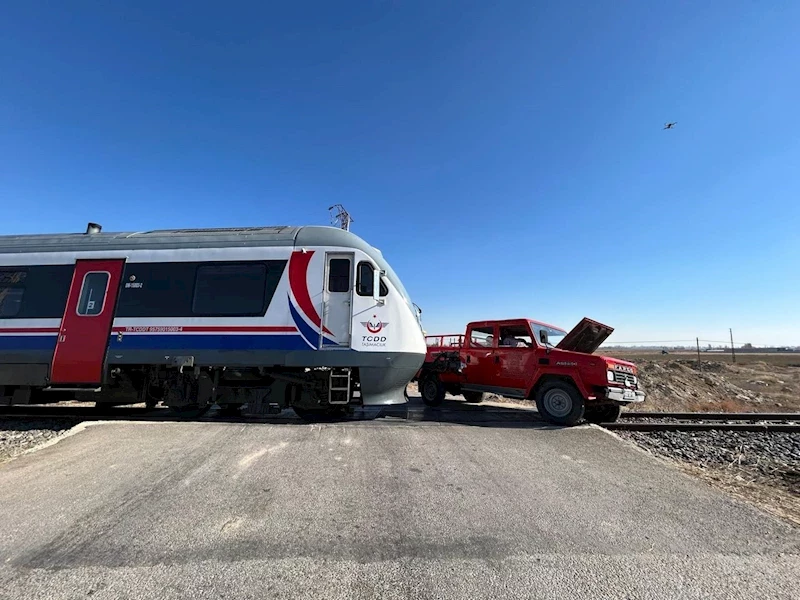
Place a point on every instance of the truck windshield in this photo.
(553, 335)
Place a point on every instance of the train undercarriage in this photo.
(313, 393)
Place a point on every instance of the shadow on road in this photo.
(455, 412)
(451, 411)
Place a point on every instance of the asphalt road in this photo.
(437, 508)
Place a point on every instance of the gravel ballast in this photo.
(19, 435)
(760, 467)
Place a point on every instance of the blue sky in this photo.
(507, 158)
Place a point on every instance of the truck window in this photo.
(515, 336)
(482, 337)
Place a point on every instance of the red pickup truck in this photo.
(522, 358)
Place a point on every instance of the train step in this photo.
(339, 386)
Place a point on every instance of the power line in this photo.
(672, 342)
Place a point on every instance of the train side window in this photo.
(230, 290)
(11, 291)
(339, 275)
(364, 280)
(10, 301)
(37, 292)
(93, 294)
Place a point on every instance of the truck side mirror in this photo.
(543, 337)
(376, 287)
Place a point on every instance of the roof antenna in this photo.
(341, 218)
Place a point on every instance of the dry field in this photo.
(755, 383)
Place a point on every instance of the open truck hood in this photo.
(585, 337)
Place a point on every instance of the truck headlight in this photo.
(610, 376)
(635, 380)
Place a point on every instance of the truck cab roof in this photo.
(585, 337)
(507, 322)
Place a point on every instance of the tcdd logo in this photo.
(374, 325)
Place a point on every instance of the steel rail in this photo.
(701, 416)
(762, 427)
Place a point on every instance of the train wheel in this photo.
(432, 389)
(473, 397)
(152, 396)
(560, 403)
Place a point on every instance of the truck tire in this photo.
(431, 389)
(560, 403)
(605, 413)
(473, 397)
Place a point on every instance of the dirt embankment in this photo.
(685, 385)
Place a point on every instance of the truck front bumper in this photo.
(618, 394)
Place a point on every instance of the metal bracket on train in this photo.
(180, 361)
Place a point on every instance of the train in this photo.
(305, 317)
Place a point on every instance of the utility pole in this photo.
(699, 364)
(341, 218)
(733, 352)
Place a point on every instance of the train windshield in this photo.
(391, 276)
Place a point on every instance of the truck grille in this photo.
(624, 378)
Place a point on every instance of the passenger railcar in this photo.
(308, 317)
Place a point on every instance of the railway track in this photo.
(629, 421)
(681, 421)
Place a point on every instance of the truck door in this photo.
(85, 330)
(479, 345)
(514, 364)
(337, 313)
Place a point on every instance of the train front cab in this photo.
(371, 315)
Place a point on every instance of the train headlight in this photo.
(610, 375)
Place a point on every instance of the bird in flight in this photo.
(670, 125)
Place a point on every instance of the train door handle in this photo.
(62, 338)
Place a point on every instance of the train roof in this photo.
(182, 238)
(167, 239)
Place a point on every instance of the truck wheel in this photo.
(560, 403)
(431, 389)
(605, 413)
(473, 397)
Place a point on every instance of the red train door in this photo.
(86, 326)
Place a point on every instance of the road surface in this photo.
(445, 508)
